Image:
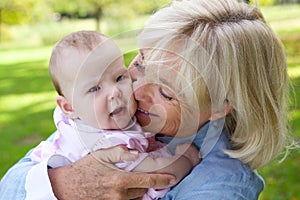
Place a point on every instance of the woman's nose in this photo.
(135, 70)
(142, 93)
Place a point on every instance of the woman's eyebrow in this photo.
(167, 83)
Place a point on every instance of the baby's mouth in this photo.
(116, 111)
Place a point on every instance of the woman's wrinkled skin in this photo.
(97, 180)
(158, 108)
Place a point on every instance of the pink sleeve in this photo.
(43, 151)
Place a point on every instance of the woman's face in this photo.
(158, 108)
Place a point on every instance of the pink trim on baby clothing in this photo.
(74, 140)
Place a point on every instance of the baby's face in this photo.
(102, 93)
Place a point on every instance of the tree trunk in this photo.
(0, 25)
(98, 16)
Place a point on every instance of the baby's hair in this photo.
(82, 41)
(230, 56)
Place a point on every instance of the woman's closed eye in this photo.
(165, 94)
(94, 89)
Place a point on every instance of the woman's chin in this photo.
(151, 126)
(143, 122)
(142, 118)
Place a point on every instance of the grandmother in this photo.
(211, 71)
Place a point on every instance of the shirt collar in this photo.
(205, 139)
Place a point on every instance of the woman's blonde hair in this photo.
(228, 46)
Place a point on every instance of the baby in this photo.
(95, 110)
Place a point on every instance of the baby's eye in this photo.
(120, 78)
(94, 89)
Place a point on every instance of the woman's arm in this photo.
(88, 178)
(185, 158)
(91, 178)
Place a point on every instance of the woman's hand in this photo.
(91, 178)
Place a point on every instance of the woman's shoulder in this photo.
(219, 179)
(227, 170)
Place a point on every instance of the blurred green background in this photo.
(30, 28)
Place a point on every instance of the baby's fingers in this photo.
(115, 154)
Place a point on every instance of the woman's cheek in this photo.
(172, 124)
(169, 120)
(157, 120)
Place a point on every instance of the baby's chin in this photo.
(121, 124)
(127, 125)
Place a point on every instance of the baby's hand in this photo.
(115, 154)
(189, 151)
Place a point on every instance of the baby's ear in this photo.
(65, 106)
(223, 113)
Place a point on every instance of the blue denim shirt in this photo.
(217, 176)
(12, 185)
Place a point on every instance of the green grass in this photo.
(282, 179)
(27, 98)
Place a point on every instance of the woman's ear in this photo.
(65, 106)
(218, 115)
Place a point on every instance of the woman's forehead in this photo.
(165, 52)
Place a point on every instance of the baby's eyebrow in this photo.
(119, 70)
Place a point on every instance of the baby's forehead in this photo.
(71, 58)
(80, 58)
(69, 63)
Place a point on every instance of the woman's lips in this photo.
(143, 113)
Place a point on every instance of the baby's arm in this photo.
(185, 158)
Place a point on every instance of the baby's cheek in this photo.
(127, 91)
(131, 103)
